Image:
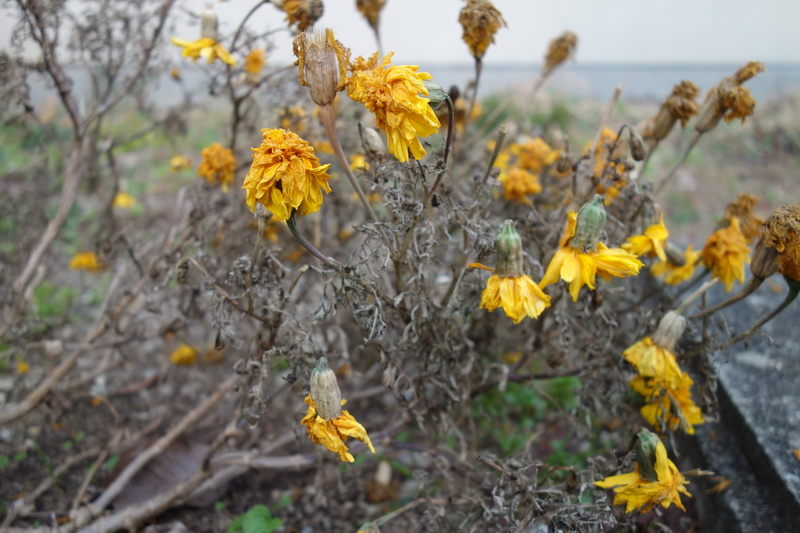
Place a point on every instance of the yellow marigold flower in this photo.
(302, 13)
(534, 154)
(668, 405)
(255, 61)
(654, 361)
(332, 433)
(285, 175)
(726, 253)
(85, 261)
(480, 20)
(218, 165)
(651, 242)
(22, 367)
(179, 163)
(638, 493)
(560, 49)
(518, 183)
(781, 231)
(742, 209)
(371, 10)
(392, 93)
(358, 162)
(509, 287)
(207, 48)
(675, 274)
(124, 200)
(183, 355)
(578, 267)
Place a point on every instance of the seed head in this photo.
(781, 231)
(670, 330)
(508, 247)
(480, 20)
(591, 223)
(561, 48)
(208, 25)
(322, 64)
(325, 391)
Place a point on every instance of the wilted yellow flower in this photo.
(480, 20)
(668, 405)
(675, 274)
(651, 242)
(518, 184)
(654, 361)
(371, 10)
(255, 61)
(534, 154)
(332, 433)
(560, 49)
(183, 355)
(358, 162)
(742, 209)
(123, 200)
(781, 231)
(285, 175)
(392, 93)
(179, 163)
(22, 367)
(206, 48)
(85, 261)
(519, 297)
(302, 13)
(509, 287)
(726, 253)
(579, 267)
(217, 165)
(637, 492)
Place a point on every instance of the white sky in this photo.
(628, 31)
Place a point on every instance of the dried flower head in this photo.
(302, 14)
(480, 20)
(217, 165)
(255, 61)
(728, 99)
(781, 231)
(285, 175)
(183, 355)
(518, 183)
(650, 243)
(681, 105)
(674, 273)
(322, 64)
(579, 266)
(638, 493)
(371, 10)
(749, 70)
(742, 209)
(726, 253)
(85, 261)
(561, 48)
(393, 94)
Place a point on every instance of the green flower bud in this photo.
(646, 443)
(590, 224)
(325, 391)
(508, 247)
(436, 94)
